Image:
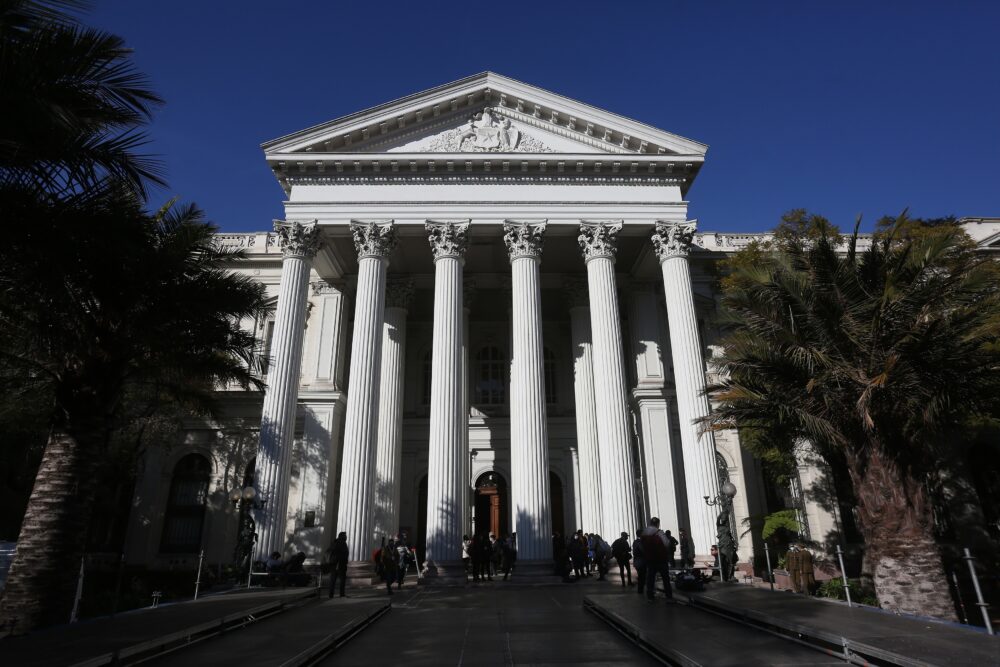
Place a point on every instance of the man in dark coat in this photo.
(687, 549)
(622, 553)
(338, 556)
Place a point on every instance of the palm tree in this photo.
(874, 357)
(125, 302)
(72, 102)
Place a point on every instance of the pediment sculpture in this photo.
(487, 132)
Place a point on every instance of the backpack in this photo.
(687, 581)
(654, 549)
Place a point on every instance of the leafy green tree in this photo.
(99, 301)
(876, 358)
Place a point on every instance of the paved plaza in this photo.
(504, 623)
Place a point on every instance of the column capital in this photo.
(447, 239)
(524, 238)
(673, 239)
(597, 239)
(373, 238)
(398, 292)
(297, 239)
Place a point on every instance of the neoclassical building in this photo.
(492, 313)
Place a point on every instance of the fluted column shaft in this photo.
(388, 459)
(277, 424)
(355, 517)
(529, 441)
(613, 421)
(446, 467)
(586, 421)
(672, 244)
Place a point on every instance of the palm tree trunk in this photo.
(897, 524)
(42, 580)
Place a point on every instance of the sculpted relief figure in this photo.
(488, 133)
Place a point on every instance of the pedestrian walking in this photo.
(466, 558)
(687, 549)
(337, 557)
(509, 556)
(578, 554)
(602, 552)
(622, 553)
(405, 560)
(390, 564)
(793, 563)
(475, 555)
(654, 548)
(671, 549)
(639, 559)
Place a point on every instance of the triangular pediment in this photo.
(485, 113)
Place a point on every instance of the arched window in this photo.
(186, 505)
(549, 365)
(426, 370)
(490, 380)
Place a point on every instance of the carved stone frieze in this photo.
(321, 287)
(297, 239)
(485, 133)
(398, 292)
(673, 239)
(447, 239)
(524, 239)
(597, 239)
(373, 239)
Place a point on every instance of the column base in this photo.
(451, 573)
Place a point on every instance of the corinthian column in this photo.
(446, 484)
(299, 242)
(672, 243)
(529, 439)
(374, 242)
(589, 490)
(388, 459)
(613, 424)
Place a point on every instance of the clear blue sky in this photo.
(839, 107)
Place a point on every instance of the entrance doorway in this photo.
(492, 502)
(556, 503)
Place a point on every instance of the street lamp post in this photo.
(725, 541)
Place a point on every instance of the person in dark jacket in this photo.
(639, 558)
(687, 549)
(622, 553)
(671, 549)
(338, 555)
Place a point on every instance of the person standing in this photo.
(486, 557)
(687, 549)
(509, 556)
(405, 559)
(466, 558)
(475, 555)
(793, 563)
(390, 564)
(654, 547)
(671, 549)
(338, 555)
(639, 558)
(577, 553)
(807, 576)
(622, 553)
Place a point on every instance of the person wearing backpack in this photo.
(622, 553)
(657, 553)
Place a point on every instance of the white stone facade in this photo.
(537, 366)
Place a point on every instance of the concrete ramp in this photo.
(860, 634)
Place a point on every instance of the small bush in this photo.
(834, 589)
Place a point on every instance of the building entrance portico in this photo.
(491, 505)
(489, 235)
